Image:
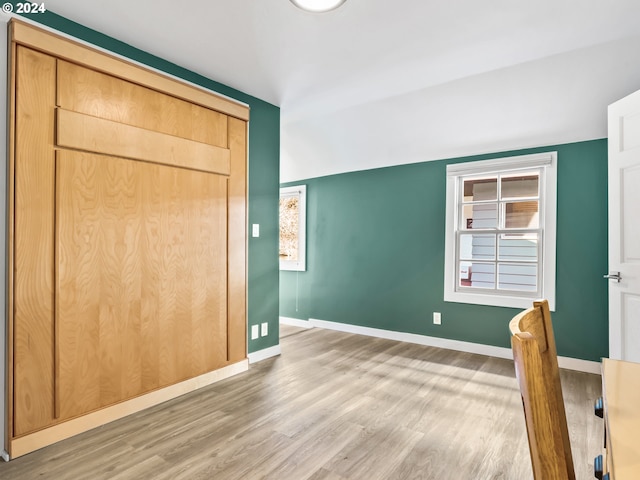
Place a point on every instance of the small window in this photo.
(293, 228)
(500, 234)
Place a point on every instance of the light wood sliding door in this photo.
(128, 239)
(141, 290)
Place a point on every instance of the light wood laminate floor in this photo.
(333, 406)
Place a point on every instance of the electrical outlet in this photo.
(254, 332)
(265, 329)
(437, 319)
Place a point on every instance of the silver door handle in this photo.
(614, 276)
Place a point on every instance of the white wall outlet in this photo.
(265, 329)
(255, 333)
(437, 319)
(255, 230)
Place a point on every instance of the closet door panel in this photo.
(33, 331)
(94, 93)
(237, 239)
(98, 281)
(141, 282)
(185, 253)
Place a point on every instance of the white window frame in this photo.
(301, 192)
(547, 250)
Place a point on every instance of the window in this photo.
(500, 231)
(293, 227)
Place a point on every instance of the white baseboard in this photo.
(4, 455)
(295, 322)
(579, 365)
(489, 350)
(264, 354)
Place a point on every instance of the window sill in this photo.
(494, 300)
(292, 267)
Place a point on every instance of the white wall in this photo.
(554, 100)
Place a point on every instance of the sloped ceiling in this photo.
(381, 82)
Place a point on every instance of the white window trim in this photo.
(301, 264)
(547, 161)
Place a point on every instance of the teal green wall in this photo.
(375, 255)
(264, 168)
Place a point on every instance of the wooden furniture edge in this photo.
(607, 363)
(34, 441)
(607, 445)
(237, 278)
(11, 115)
(60, 47)
(621, 397)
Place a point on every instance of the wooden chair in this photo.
(536, 362)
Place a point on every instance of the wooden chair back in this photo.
(536, 363)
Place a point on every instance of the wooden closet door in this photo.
(141, 240)
(141, 277)
(129, 241)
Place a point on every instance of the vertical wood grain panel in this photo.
(11, 105)
(181, 329)
(120, 339)
(154, 271)
(171, 218)
(193, 285)
(237, 321)
(141, 278)
(33, 402)
(191, 209)
(212, 272)
(79, 283)
(88, 91)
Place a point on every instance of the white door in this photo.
(624, 228)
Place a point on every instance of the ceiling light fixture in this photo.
(317, 6)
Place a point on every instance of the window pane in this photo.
(483, 215)
(523, 185)
(518, 247)
(289, 227)
(479, 275)
(479, 189)
(477, 247)
(521, 214)
(465, 274)
(521, 277)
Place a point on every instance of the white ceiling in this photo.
(380, 82)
